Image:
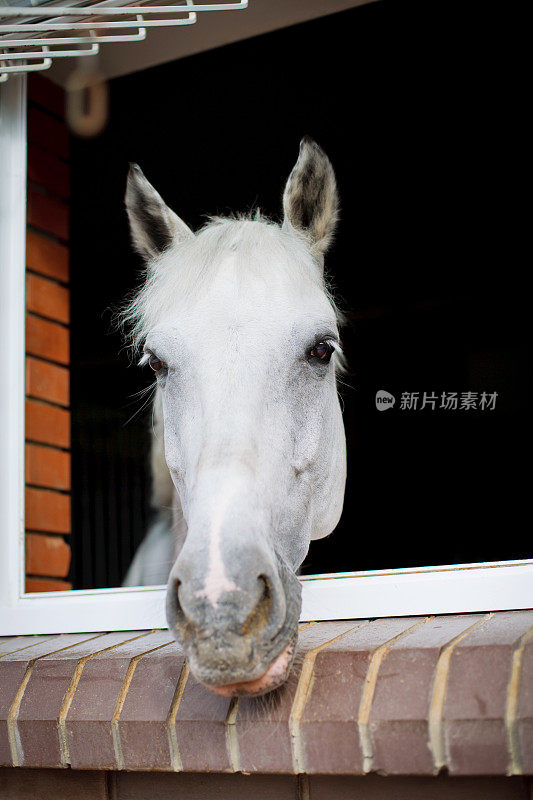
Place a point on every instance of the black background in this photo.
(421, 108)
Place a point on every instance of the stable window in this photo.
(436, 394)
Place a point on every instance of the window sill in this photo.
(399, 696)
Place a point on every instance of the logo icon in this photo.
(384, 400)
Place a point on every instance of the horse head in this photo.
(242, 335)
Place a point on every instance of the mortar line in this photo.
(175, 757)
(438, 694)
(376, 658)
(303, 690)
(511, 705)
(303, 790)
(71, 691)
(121, 699)
(15, 744)
(232, 740)
(110, 785)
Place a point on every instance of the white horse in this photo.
(249, 452)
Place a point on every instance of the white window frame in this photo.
(381, 593)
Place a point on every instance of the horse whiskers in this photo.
(341, 382)
(269, 703)
(141, 393)
(148, 400)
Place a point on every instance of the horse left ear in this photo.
(153, 224)
(310, 199)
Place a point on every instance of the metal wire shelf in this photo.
(29, 39)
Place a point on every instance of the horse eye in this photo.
(322, 351)
(156, 363)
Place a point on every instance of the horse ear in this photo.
(310, 199)
(153, 224)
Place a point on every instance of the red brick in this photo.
(474, 712)
(37, 721)
(47, 257)
(47, 298)
(48, 467)
(140, 786)
(12, 669)
(47, 511)
(263, 723)
(45, 381)
(15, 644)
(46, 93)
(48, 132)
(47, 555)
(400, 710)
(48, 214)
(88, 724)
(378, 787)
(48, 784)
(329, 723)
(47, 170)
(201, 730)
(47, 339)
(525, 710)
(47, 585)
(143, 720)
(47, 424)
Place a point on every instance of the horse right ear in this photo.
(310, 199)
(153, 224)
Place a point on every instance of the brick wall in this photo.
(51, 784)
(447, 699)
(48, 516)
(397, 696)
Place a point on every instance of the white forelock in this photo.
(262, 249)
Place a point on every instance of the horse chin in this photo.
(275, 676)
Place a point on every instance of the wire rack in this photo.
(35, 32)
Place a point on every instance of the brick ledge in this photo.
(397, 696)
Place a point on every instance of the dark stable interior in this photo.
(420, 107)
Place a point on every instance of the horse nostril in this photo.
(181, 620)
(262, 611)
(267, 593)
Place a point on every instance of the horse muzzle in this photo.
(244, 643)
(276, 675)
